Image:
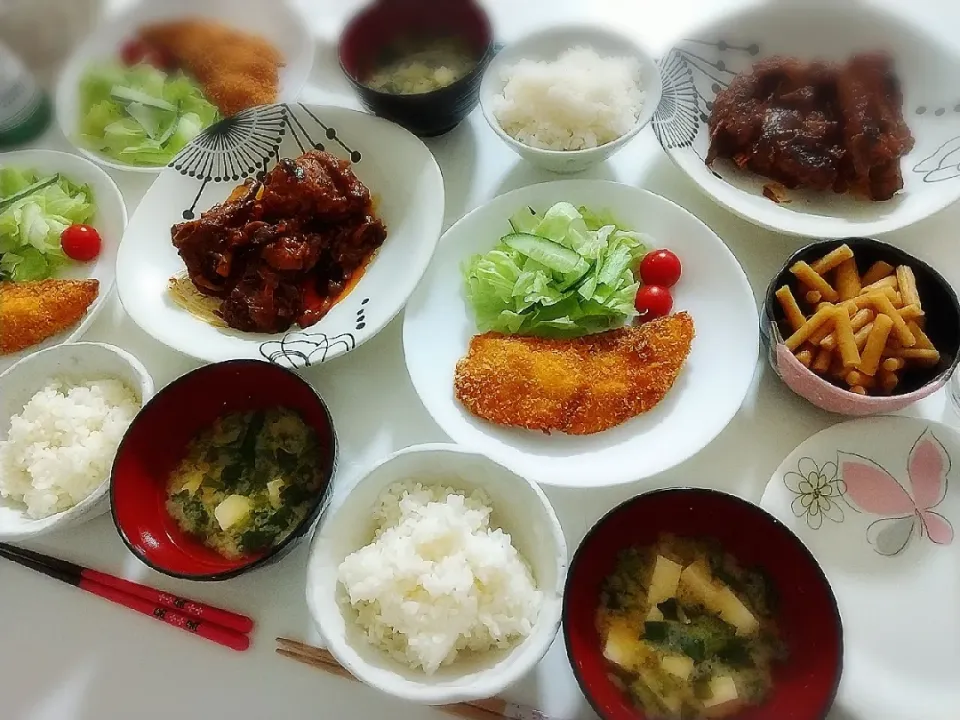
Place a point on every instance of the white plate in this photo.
(279, 22)
(110, 220)
(694, 70)
(877, 502)
(399, 170)
(438, 327)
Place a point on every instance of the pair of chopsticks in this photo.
(220, 626)
(476, 710)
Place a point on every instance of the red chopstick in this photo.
(220, 626)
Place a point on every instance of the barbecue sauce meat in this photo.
(280, 251)
(815, 125)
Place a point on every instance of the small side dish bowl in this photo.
(157, 441)
(520, 508)
(20, 382)
(376, 28)
(942, 313)
(804, 685)
(547, 45)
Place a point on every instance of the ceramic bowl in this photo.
(110, 220)
(245, 146)
(383, 23)
(696, 69)
(439, 324)
(19, 383)
(806, 615)
(943, 327)
(520, 508)
(157, 441)
(547, 45)
(280, 23)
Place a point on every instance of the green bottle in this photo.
(25, 110)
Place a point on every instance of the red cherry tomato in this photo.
(660, 267)
(133, 51)
(653, 301)
(80, 242)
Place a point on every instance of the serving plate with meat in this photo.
(815, 118)
(286, 233)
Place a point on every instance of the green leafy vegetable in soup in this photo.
(412, 68)
(247, 481)
(688, 632)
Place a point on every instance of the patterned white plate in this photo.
(696, 69)
(877, 502)
(399, 170)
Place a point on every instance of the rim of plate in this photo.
(622, 475)
(106, 288)
(332, 346)
(774, 509)
(72, 70)
(804, 223)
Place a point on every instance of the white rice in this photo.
(579, 101)
(61, 446)
(437, 580)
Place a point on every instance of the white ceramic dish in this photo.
(110, 221)
(438, 326)
(877, 502)
(547, 45)
(279, 22)
(520, 508)
(694, 70)
(398, 169)
(18, 384)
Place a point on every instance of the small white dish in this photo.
(280, 23)
(110, 221)
(400, 172)
(439, 324)
(520, 508)
(18, 384)
(877, 502)
(547, 45)
(695, 69)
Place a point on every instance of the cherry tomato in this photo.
(80, 242)
(133, 51)
(653, 301)
(660, 267)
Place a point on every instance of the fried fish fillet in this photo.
(579, 386)
(237, 70)
(31, 312)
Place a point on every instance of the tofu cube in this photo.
(678, 665)
(666, 578)
(232, 511)
(717, 598)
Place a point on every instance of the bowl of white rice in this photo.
(439, 577)
(569, 97)
(63, 412)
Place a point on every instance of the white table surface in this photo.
(67, 655)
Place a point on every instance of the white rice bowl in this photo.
(438, 578)
(579, 101)
(61, 446)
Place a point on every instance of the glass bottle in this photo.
(25, 110)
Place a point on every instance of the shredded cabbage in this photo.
(140, 115)
(566, 273)
(31, 222)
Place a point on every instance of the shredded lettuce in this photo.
(565, 273)
(34, 211)
(140, 115)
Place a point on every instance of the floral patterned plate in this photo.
(877, 502)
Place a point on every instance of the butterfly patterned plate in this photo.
(877, 502)
(695, 69)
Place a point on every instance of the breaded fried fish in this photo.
(31, 312)
(578, 386)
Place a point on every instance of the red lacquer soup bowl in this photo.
(157, 441)
(804, 685)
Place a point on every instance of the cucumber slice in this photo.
(28, 191)
(525, 221)
(551, 255)
(128, 95)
